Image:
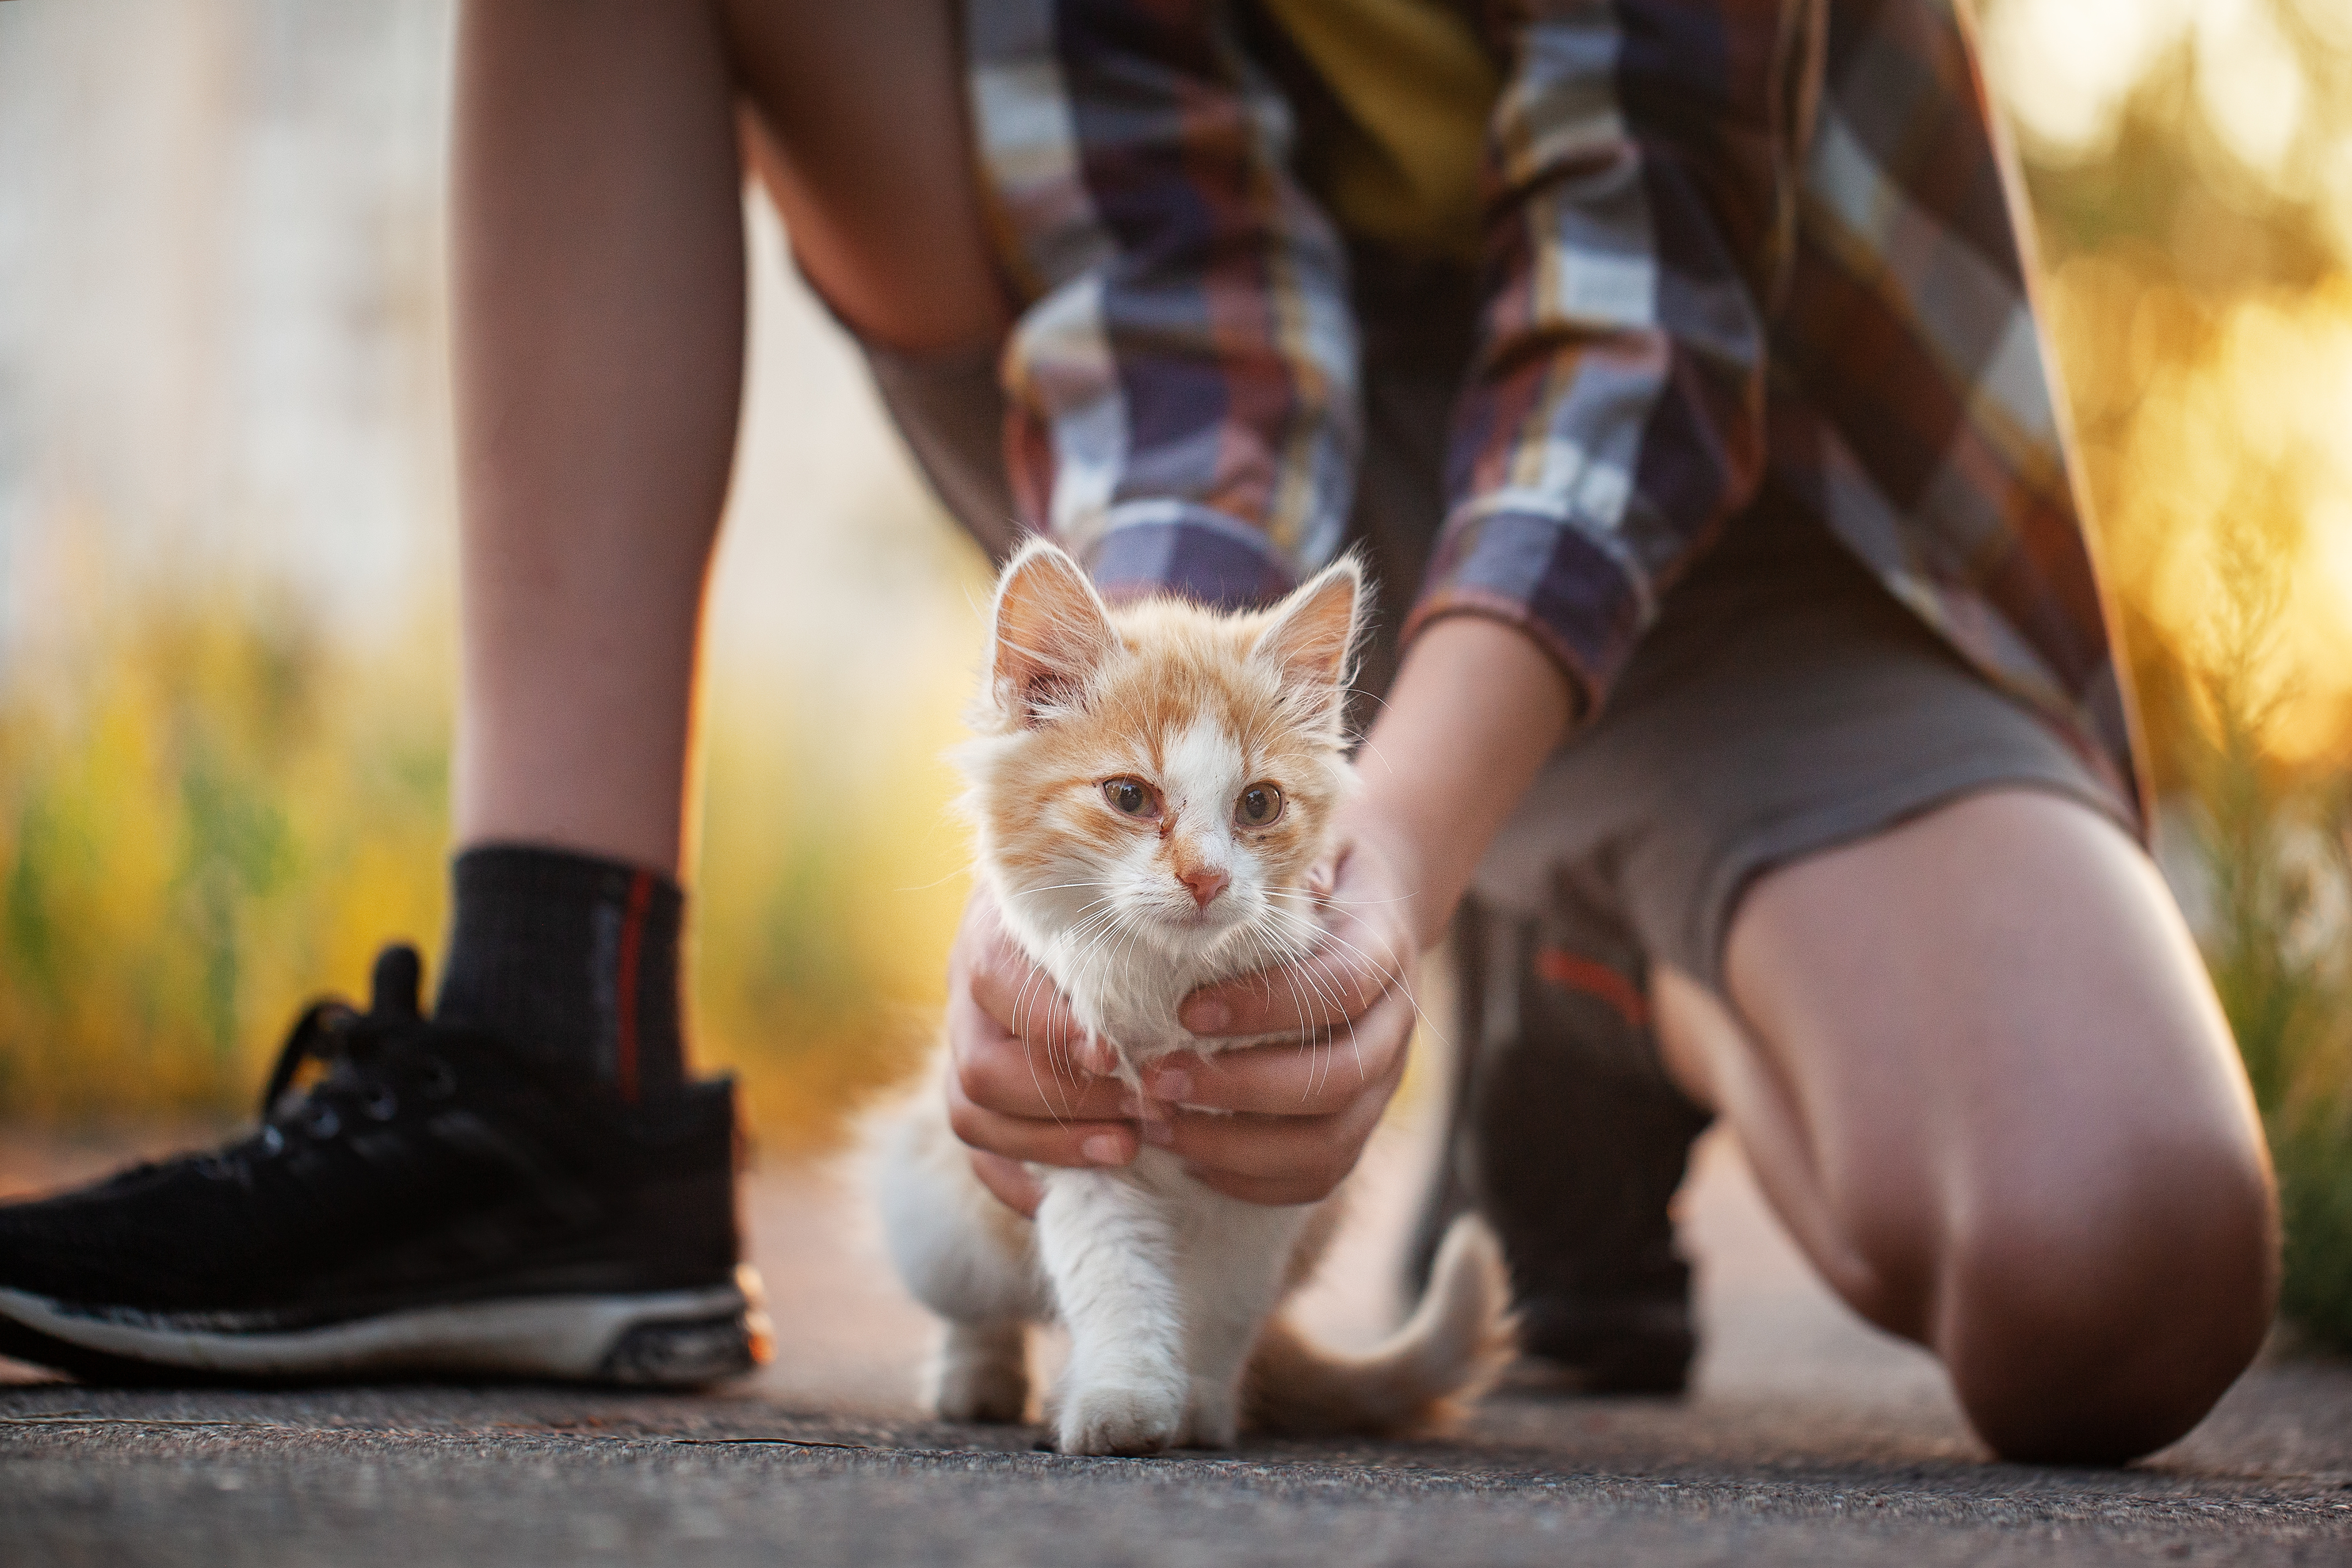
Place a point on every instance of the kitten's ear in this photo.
(1050, 632)
(1313, 638)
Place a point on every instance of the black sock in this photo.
(572, 959)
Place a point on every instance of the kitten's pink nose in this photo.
(1205, 881)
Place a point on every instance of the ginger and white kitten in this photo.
(1151, 788)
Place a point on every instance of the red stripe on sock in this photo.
(1566, 970)
(625, 989)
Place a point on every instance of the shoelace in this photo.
(369, 1058)
(362, 1053)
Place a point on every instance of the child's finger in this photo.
(1317, 1078)
(1355, 964)
(1023, 1001)
(1010, 1180)
(1003, 1073)
(1038, 1140)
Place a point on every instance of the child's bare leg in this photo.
(1980, 1074)
(867, 150)
(598, 256)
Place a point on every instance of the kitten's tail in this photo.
(1457, 1340)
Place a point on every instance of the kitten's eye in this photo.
(1131, 797)
(1259, 806)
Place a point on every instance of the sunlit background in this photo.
(225, 550)
(226, 586)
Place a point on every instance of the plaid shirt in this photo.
(1724, 238)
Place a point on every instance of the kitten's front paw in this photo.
(1213, 1424)
(988, 1392)
(982, 1373)
(1126, 1421)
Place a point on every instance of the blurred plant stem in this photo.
(2278, 865)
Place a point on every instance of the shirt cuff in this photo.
(1174, 547)
(1548, 579)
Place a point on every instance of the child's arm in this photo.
(1182, 384)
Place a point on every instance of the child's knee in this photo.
(2097, 1325)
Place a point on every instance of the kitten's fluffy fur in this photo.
(1167, 1287)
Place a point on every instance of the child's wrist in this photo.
(1418, 867)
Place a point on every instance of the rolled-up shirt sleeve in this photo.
(1181, 400)
(1637, 221)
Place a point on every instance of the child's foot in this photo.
(431, 1203)
(1571, 1142)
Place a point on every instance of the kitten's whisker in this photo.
(927, 887)
(1396, 979)
(1096, 932)
(1092, 932)
(1329, 899)
(1307, 1089)
(1365, 747)
(1029, 1056)
(1318, 986)
(1058, 1046)
(1134, 937)
(1314, 1063)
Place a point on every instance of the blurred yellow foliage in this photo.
(211, 812)
(205, 810)
(2216, 435)
(831, 880)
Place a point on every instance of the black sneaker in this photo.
(431, 1203)
(1571, 1140)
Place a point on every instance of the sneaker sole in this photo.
(663, 1338)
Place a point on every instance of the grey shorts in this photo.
(1783, 704)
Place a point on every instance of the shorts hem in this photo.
(1772, 845)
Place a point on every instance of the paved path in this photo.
(1809, 1439)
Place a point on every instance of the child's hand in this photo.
(1025, 1082)
(1028, 1085)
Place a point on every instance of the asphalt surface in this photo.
(1808, 1439)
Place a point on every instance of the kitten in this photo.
(1152, 790)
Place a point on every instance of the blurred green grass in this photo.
(204, 809)
(2274, 846)
(217, 812)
